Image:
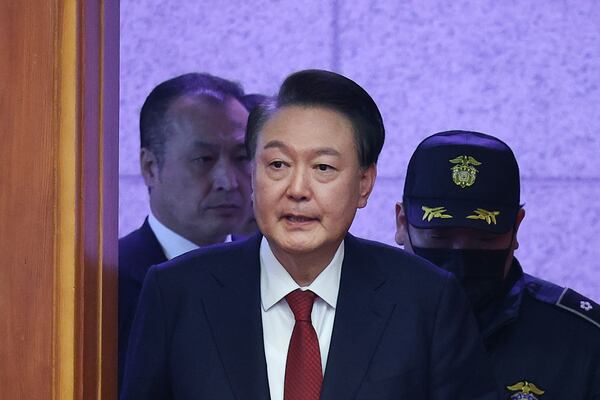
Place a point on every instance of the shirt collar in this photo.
(276, 282)
(172, 243)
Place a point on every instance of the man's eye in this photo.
(325, 167)
(277, 164)
(203, 159)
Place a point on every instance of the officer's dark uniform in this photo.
(544, 340)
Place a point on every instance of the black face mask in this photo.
(481, 272)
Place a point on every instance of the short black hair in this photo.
(318, 88)
(153, 115)
(253, 100)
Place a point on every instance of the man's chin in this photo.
(224, 214)
(298, 243)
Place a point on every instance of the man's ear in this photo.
(400, 224)
(149, 167)
(520, 216)
(367, 181)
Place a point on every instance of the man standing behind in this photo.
(307, 311)
(196, 168)
(462, 212)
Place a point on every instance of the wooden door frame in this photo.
(59, 199)
(90, 32)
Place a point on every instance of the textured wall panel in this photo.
(521, 70)
(560, 233)
(256, 43)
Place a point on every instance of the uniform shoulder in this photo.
(580, 305)
(564, 298)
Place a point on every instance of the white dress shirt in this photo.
(278, 319)
(172, 243)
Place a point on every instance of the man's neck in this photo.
(305, 268)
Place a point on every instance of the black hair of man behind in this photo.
(253, 100)
(319, 88)
(153, 117)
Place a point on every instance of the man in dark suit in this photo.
(306, 310)
(194, 163)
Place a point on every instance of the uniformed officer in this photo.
(461, 210)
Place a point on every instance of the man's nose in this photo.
(225, 176)
(299, 185)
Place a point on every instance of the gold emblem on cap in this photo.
(525, 390)
(487, 216)
(434, 212)
(464, 172)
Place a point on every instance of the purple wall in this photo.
(527, 72)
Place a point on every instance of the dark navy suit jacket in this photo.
(402, 330)
(138, 251)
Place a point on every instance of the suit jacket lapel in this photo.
(234, 314)
(360, 319)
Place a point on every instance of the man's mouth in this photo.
(299, 219)
(225, 206)
(225, 209)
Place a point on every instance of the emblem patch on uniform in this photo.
(525, 391)
(585, 305)
(487, 216)
(464, 171)
(430, 213)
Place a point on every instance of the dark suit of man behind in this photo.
(345, 318)
(138, 251)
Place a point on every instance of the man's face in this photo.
(455, 238)
(202, 189)
(459, 238)
(307, 181)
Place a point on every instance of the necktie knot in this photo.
(301, 303)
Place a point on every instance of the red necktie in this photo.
(303, 373)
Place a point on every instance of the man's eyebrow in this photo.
(275, 144)
(200, 143)
(327, 151)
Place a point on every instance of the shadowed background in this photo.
(525, 71)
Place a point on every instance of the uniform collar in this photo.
(507, 309)
(276, 282)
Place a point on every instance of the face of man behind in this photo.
(307, 184)
(480, 259)
(202, 189)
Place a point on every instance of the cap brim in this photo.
(451, 213)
